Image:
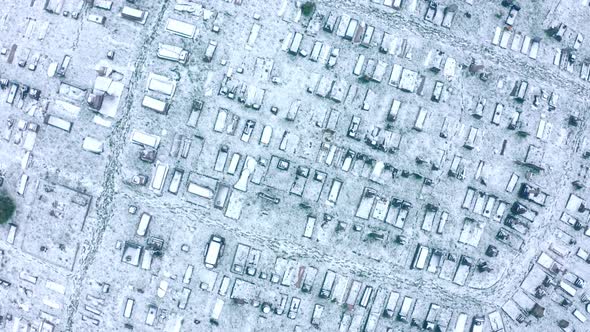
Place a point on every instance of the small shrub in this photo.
(308, 8)
(7, 208)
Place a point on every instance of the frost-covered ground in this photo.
(287, 142)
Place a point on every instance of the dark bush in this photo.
(308, 8)
(7, 208)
